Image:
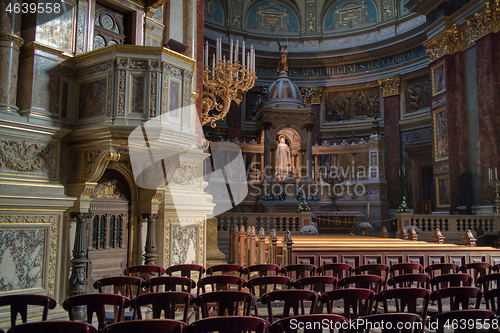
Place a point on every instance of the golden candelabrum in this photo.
(495, 182)
(226, 81)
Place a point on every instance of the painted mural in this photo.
(348, 14)
(214, 11)
(272, 17)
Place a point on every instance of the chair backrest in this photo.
(373, 282)
(145, 272)
(19, 304)
(147, 326)
(261, 269)
(442, 268)
(492, 298)
(406, 300)
(338, 270)
(292, 298)
(475, 269)
(228, 303)
(232, 324)
(489, 281)
(186, 270)
(164, 301)
(96, 303)
(495, 268)
(374, 269)
(441, 322)
(225, 269)
(128, 286)
(450, 280)
(458, 296)
(298, 271)
(313, 323)
(220, 282)
(267, 284)
(55, 326)
(405, 268)
(170, 283)
(413, 323)
(357, 301)
(319, 284)
(418, 280)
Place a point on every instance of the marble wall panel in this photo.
(22, 254)
(184, 245)
(137, 84)
(92, 98)
(45, 85)
(392, 150)
(58, 32)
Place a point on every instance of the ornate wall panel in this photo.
(272, 17)
(214, 12)
(28, 156)
(416, 95)
(347, 14)
(92, 98)
(352, 104)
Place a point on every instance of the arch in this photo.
(273, 17)
(293, 135)
(216, 12)
(335, 14)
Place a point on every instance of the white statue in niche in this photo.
(283, 158)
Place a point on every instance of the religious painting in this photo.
(443, 191)
(348, 14)
(440, 135)
(438, 79)
(272, 17)
(356, 104)
(417, 95)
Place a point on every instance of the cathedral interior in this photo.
(353, 111)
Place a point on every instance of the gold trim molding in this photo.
(461, 37)
(45, 48)
(390, 85)
(11, 38)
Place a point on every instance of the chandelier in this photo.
(226, 79)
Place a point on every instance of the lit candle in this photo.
(231, 51)
(236, 51)
(213, 65)
(243, 53)
(368, 211)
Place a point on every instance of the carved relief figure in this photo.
(283, 158)
(352, 105)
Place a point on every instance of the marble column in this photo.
(316, 167)
(392, 140)
(309, 128)
(10, 44)
(488, 106)
(150, 248)
(261, 165)
(267, 149)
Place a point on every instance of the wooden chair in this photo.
(338, 270)
(313, 323)
(186, 270)
(450, 280)
(356, 301)
(127, 286)
(220, 282)
(405, 268)
(319, 284)
(261, 270)
(442, 268)
(292, 298)
(19, 305)
(475, 269)
(372, 282)
(458, 296)
(489, 281)
(96, 303)
(55, 326)
(163, 301)
(226, 269)
(227, 303)
(170, 283)
(391, 322)
(374, 269)
(495, 268)
(492, 298)
(442, 321)
(406, 300)
(147, 326)
(145, 272)
(262, 285)
(418, 280)
(298, 271)
(232, 324)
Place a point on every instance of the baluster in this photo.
(278, 224)
(265, 226)
(271, 223)
(241, 253)
(258, 224)
(245, 221)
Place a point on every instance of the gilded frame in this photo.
(440, 134)
(438, 79)
(443, 191)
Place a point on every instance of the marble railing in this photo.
(452, 227)
(277, 221)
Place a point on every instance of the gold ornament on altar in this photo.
(226, 80)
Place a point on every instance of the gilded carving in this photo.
(122, 63)
(122, 84)
(186, 175)
(80, 43)
(53, 220)
(311, 95)
(109, 189)
(173, 71)
(390, 85)
(311, 15)
(109, 108)
(442, 44)
(484, 23)
(12, 38)
(95, 69)
(89, 157)
(24, 156)
(417, 94)
(387, 9)
(164, 103)
(152, 93)
(352, 105)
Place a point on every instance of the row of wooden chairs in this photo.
(312, 323)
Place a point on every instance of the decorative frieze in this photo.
(390, 85)
(186, 175)
(25, 156)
